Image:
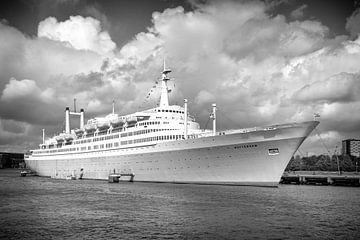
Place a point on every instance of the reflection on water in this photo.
(43, 208)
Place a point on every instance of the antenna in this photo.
(113, 107)
(164, 98)
(165, 71)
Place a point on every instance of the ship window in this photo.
(273, 151)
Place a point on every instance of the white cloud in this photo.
(204, 97)
(81, 33)
(343, 87)
(353, 23)
(20, 89)
(299, 12)
(260, 69)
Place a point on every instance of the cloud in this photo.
(81, 33)
(40, 74)
(24, 101)
(204, 97)
(299, 12)
(19, 89)
(343, 87)
(14, 135)
(259, 69)
(23, 57)
(353, 23)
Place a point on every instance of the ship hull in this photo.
(256, 158)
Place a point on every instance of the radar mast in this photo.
(164, 99)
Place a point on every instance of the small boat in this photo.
(131, 121)
(60, 139)
(25, 173)
(68, 137)
(117, 123)
(103, 126)
(90, 128)
(79, 131)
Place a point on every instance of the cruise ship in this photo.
(166, 144)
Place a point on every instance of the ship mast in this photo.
(164, 99)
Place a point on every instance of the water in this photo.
(43, 208)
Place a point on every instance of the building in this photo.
(351, 147)
(8, 160)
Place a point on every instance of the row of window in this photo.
(143, 132)
(246, 146)
(172, 111)
(105, 138)
(148, 123)
(157, 138)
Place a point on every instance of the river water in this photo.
(44, 208)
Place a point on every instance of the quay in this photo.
(115, 177)
(321, 178)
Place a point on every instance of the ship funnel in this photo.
(43, 135)
(67, 120)
(81, 118)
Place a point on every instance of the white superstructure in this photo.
(166, 144)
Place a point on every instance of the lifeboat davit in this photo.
(117, 123)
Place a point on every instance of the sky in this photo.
(262, 62)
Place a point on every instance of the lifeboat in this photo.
(103, 126)
(90, 128)
(60, 139)
(68, 137)
(117, 123)
(131, 121)
(79, 131)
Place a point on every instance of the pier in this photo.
(115, 177)
(321, 178)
